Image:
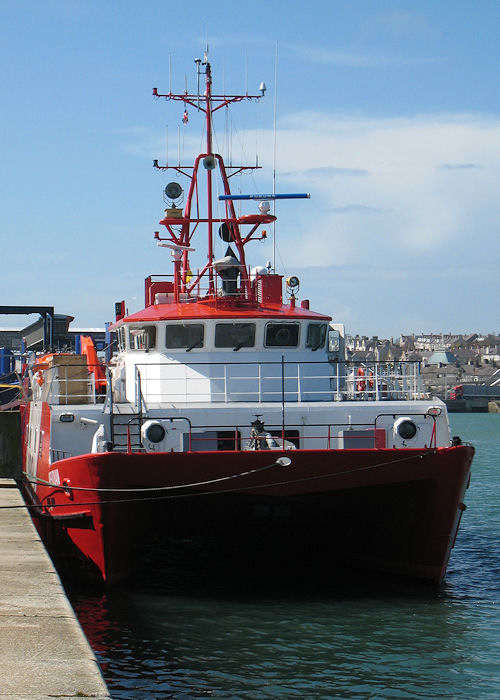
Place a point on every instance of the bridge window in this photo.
(184, 336)
(235, 335)
(121, 338)
(143, 338)
(333, 340)
(316, 335)
(282, 335)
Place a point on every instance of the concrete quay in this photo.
(43, 650)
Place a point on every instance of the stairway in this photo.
(124, 417)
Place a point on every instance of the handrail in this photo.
(293, 381)
(140, 402)
(322, 436)
(255, 381)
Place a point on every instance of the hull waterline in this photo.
(378, 509)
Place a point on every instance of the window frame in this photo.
(236, 343)
(314, 325)
(147, 331)
(189, 328)
(290, 324)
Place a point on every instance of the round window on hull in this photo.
(405, 428)
(155, 432)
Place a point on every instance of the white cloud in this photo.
(399, 23)
(382, 189)
(433, 182)
(369, 58)
(402, 224)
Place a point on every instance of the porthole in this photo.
(155, 432)
(406, 429)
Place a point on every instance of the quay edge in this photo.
(43, 650)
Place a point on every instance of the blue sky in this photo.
(388, 113)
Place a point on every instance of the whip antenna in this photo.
(274, 153)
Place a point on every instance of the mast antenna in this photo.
(198, 73)
(246, 73)
(208, 103)
(274, 152)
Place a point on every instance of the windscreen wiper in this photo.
(197, 342)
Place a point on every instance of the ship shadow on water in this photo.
(200, 567)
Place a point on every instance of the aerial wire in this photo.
(274, 152)
(246, 72)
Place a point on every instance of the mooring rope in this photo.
(63, 487)
(237, 489)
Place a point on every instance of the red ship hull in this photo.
(390, 510)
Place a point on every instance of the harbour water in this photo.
(201, 629)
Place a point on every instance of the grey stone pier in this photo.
(43, 650)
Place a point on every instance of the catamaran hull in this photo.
(390, 510)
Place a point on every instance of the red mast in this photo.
(209, 156)
(182, 228)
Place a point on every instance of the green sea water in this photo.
(208, 634)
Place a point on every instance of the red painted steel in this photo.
(391, 510)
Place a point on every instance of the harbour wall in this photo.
(10, 444)
(473, 405)
(43, 651)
